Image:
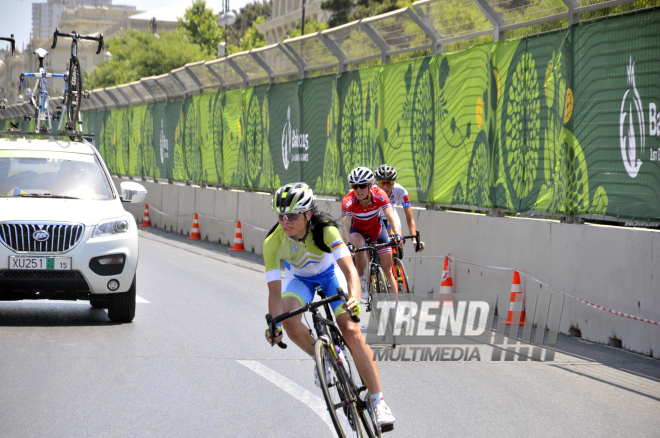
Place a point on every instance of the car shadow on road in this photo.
(51, 314)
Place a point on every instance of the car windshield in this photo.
(43, 174)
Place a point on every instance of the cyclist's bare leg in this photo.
(362, 354)
(386, 263)
(294, 327)
(360, 257)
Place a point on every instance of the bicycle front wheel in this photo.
(401, 276)
(381, 282)
(339, 398)
(74, 96)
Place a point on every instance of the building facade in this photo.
(46, 16)
(286, 14)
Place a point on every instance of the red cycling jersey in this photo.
(368, 220)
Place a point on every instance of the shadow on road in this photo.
(51, 314)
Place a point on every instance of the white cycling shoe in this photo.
(328, 376)
(384, 415)
(365, 289)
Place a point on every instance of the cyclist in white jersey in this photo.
(386, 179)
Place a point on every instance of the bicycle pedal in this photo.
(387, 428)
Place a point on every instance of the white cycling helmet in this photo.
(293, 198)
(361, 175)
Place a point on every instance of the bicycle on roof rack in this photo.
(74, 84)
(12, 42)
(39, 97)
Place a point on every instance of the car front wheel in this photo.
(121, 307)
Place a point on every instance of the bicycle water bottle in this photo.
(342, 360)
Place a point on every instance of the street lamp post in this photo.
(225, 19)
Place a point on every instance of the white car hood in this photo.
(88, 213)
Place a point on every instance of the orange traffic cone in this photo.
(145, 220)
(194, 234)
(516, 305)
(238, 239)
(447, 285)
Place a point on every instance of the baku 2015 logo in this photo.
(627, 133)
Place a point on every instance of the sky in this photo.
(16, 16)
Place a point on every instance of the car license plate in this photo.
(27, 263)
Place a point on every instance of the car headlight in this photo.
(111, 227)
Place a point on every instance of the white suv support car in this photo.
(64, 234)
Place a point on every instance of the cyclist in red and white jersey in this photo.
(386, 179)
(363, 210)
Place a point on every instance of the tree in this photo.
(137, 55)
(245, 19)
(202, 27)
(311, 26)
(370, 8)
(341, 11)
(252, 38)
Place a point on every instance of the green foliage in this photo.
(341, 11)
(202, 27)
(253, 38)
(246, 18)
(137, 55)
(369, 8)
(311, 26)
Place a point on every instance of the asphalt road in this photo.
(194, 363)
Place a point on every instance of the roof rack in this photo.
(74, 136)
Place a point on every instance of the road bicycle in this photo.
(374, 271)
(39, 97)
(74, 83)
(12, 42)
(350, 406)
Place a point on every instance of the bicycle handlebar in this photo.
(76, 36)
(377, 246)
(418, 242)
(13, 43)
(306, 308)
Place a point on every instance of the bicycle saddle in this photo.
(41, 53)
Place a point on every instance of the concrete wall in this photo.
(610, 266)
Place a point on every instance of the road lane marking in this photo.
(140, 300)
(315, 403)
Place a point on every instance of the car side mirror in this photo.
(132, 192)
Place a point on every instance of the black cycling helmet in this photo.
(385, 172)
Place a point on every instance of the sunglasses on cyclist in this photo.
(385, 183)
(290, 217)
(359, 186)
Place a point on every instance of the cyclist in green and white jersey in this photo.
(314, 253)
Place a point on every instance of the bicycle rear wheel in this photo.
(400, 275)
(74, 96)
(368, 417)
(339, 398)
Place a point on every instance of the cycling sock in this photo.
(377, 399)
(361, 276)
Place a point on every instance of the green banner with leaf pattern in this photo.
(566, 122)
